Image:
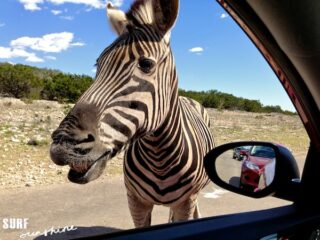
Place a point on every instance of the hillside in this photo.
(25, 130)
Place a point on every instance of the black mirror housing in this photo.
(286, 180)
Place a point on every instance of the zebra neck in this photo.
(166, 143)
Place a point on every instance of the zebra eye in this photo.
(146, 65)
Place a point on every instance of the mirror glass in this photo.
(247, 167)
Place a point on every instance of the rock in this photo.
(52, 166)
(13, 139)
(28, 184)
(32, 142)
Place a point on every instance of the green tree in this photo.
(252, 105)
(15, 80)
(65, 87)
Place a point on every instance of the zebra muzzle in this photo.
(80, 175)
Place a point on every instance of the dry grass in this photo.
(229, 126)
(24, 165)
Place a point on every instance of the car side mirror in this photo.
(254, 169)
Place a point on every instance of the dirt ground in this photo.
(25, 130)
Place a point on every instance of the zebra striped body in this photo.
(166, 167)
(134, 105)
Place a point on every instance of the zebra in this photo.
(133, 105)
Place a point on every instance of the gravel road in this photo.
(100, 207)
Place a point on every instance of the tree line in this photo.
(220, 100)
(23, 81)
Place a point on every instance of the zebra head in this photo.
(134, 90)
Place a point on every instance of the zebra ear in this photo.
(165, 14)
(117, 18)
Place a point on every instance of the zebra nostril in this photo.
(59, 138)
(90, 138)
(81, 151)
(84, 150)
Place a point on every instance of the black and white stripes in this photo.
(166, 166)
(133, 105)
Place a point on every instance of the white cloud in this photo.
(117, 3)
(224, 15)
(56, 12)
(34, 58)
(7, 53)
(2, 24)
(93, 3)
(69, 18)
(94, 70)
(77, 44)
(33, 5)
(50, 57)
(54, 42)
(196, 50)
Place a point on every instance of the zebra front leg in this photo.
(197, 213)
(140, 211)
(170, 216)
(186, 210)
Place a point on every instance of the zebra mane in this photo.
(141, 12)
(160, 14)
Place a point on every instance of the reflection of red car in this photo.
(240, 152)
(257, 169)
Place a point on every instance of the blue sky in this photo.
(211, 51)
